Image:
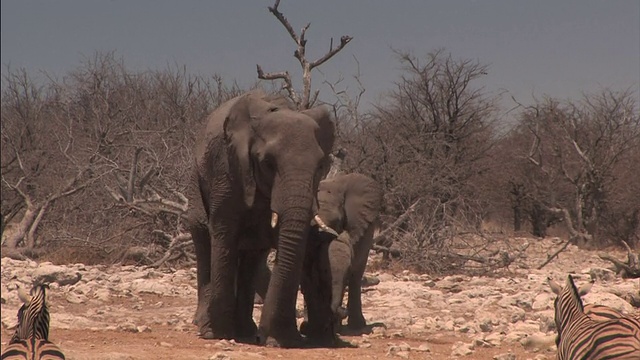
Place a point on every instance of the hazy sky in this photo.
(555, 47)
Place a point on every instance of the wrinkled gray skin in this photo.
(255, 157)
(350, 204)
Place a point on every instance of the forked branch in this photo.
(300, 53)
(284, 75)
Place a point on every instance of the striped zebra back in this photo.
(32, 349)
(31, 338)
(583, 337)
(603, 313)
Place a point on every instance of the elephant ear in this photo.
(326, 132)
(238, 132)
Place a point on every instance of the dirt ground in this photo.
(91, 331)
(165, 342)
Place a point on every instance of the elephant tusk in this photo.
(324, 227)
(274, 219)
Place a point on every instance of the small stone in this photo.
(464, 329)
(128, 327)
(165, 344)
(368, 280)
(220, 356)
(224, 344)
(49, 273)
(401, 350)
(542, 301)
(495, 339)
(102, 294)
(429, 283)
(422, 348)
(506, 356)
(75, 298)
(486, 326)
(143, 328)
(448, 326)
(601, 274)
(461, 349)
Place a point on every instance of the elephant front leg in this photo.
(316, 287)
(354, 303)
(222, 302)
(201, 242)
(339, 264)
(250, 263)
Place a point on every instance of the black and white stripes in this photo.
(31, 338)
(604, 334)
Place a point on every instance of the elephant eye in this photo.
(268, 164)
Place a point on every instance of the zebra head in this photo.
(567, 301)
(33, 315)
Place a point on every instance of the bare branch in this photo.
(344, 40)
(16, 188)
(132, 173)
(177, 242)
(283, 20)
(153, 203)
(284, 75)
(401, 219)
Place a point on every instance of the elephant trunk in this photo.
(294, 216)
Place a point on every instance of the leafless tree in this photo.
(306, 100)
(428, 142)
(44, 157)
(583, 149)
(120, 140)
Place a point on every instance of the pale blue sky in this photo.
(555, 47)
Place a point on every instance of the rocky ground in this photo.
(127, 312)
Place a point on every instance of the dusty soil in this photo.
(165, 342)
(88, 327)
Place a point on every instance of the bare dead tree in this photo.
(580, 146)
(427, 142)
(306, 100)
(29, 113)
(118, 140)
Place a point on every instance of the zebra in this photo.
(599, 312)
(583, 337)
(31, 338)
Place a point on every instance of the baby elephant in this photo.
(349, 204)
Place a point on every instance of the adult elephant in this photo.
(257, 168)
(349, 204)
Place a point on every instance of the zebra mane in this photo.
(574, 293)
